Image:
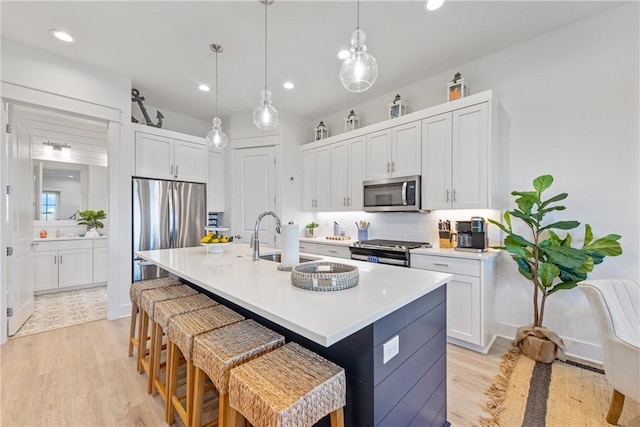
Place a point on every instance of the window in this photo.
(50, 204)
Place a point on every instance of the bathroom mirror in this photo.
(63, 189)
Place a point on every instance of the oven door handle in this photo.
(404, 193)
(379, 260)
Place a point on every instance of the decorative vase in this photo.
(311, 232)
(539, 344)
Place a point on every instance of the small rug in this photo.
(68, 308)
(560, 394)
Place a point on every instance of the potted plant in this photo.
(548, 261)
(311, 229)
(92, 219)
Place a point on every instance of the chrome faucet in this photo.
(255, 242)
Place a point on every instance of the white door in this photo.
(323, 171)
(190, 161)
(75, 267)
(463, 308)
(19, 226)
(45, 264)
(406, 149)
(436, 162)
(379, 154)
(339, 176)
(254, 192)
(357, 172)
(154, 156)
(309, 180)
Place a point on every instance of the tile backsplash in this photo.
(417, 227)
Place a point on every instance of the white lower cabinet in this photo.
(470, 294)
(337, 251)
(69, 263)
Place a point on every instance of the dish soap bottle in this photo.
(43, 233)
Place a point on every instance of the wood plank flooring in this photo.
(81, 376)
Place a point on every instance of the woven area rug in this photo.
(68, 308)
(559, 394)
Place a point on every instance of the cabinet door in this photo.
(308, 180)
(379, 154)
(215, 183)
(100, 265)
(190, 161)
(406, 149)
(436, 162)
(75, 267)
(470, 157)
(153, 156)
(45, 266)
(463, 308)
(323, 184)
(339, 176)
(357, 172)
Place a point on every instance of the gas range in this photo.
(394, 252)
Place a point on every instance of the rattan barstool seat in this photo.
(135, 290)
(215, 353)
(181, 332)
(289, 386)
(162, 312)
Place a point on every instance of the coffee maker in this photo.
(472, 235)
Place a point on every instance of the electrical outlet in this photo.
(390, 349)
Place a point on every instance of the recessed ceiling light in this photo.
(204, 88)
(288, 85)
(61, 35)
(432, 5)
(343, 54)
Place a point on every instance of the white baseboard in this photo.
(577, 349)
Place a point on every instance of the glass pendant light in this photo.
(360, 70)
(216, 138)
(265, 116)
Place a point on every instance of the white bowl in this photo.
(215, 248)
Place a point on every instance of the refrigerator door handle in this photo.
(142, 262)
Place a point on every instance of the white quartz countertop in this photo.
(323, 317)
(325, 241)
(456, 254)
(61, 238)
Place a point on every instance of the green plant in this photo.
(312, 225)
(92, 218)
(545, 258)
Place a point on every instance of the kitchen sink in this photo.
(277, 258)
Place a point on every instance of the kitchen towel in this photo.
(290, 245)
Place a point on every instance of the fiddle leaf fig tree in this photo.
(549, 261)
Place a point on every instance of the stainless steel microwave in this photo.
(392, 194)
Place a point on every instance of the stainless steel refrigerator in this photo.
(166, 214)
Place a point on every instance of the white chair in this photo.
(617, 305)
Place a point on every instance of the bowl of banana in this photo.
(214, 242)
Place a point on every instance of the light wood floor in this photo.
(81, 376)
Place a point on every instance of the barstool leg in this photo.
(198, 398)
(154, 357)
(337, 418)
(132, 327)
(172, 380)
(142, 339)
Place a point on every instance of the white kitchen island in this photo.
(357, 328)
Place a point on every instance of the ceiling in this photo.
(163, 46)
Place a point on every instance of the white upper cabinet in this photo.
(348, 170)
(170, 156)
(394, 152)
(455, 159)
(316, 170)
(215, 183)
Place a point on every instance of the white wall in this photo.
(570, 104)
(173, 121)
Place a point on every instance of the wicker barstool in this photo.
(135, 290)
(181, 331)
(148, 300)
(215, 353)
(290, 386)
(162, 312)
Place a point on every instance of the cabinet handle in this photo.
(388, 167)
(176, 171)
(439, 264)
(332, 251)
(393, 166)
(55, 259)
(344, 201)
(454, 194)
(447, 195)
(348, 201)
(34, 244)
(171, 172)
(60, 259)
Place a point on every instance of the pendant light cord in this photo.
(358, 19)
(265, 43)
(216, 84)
